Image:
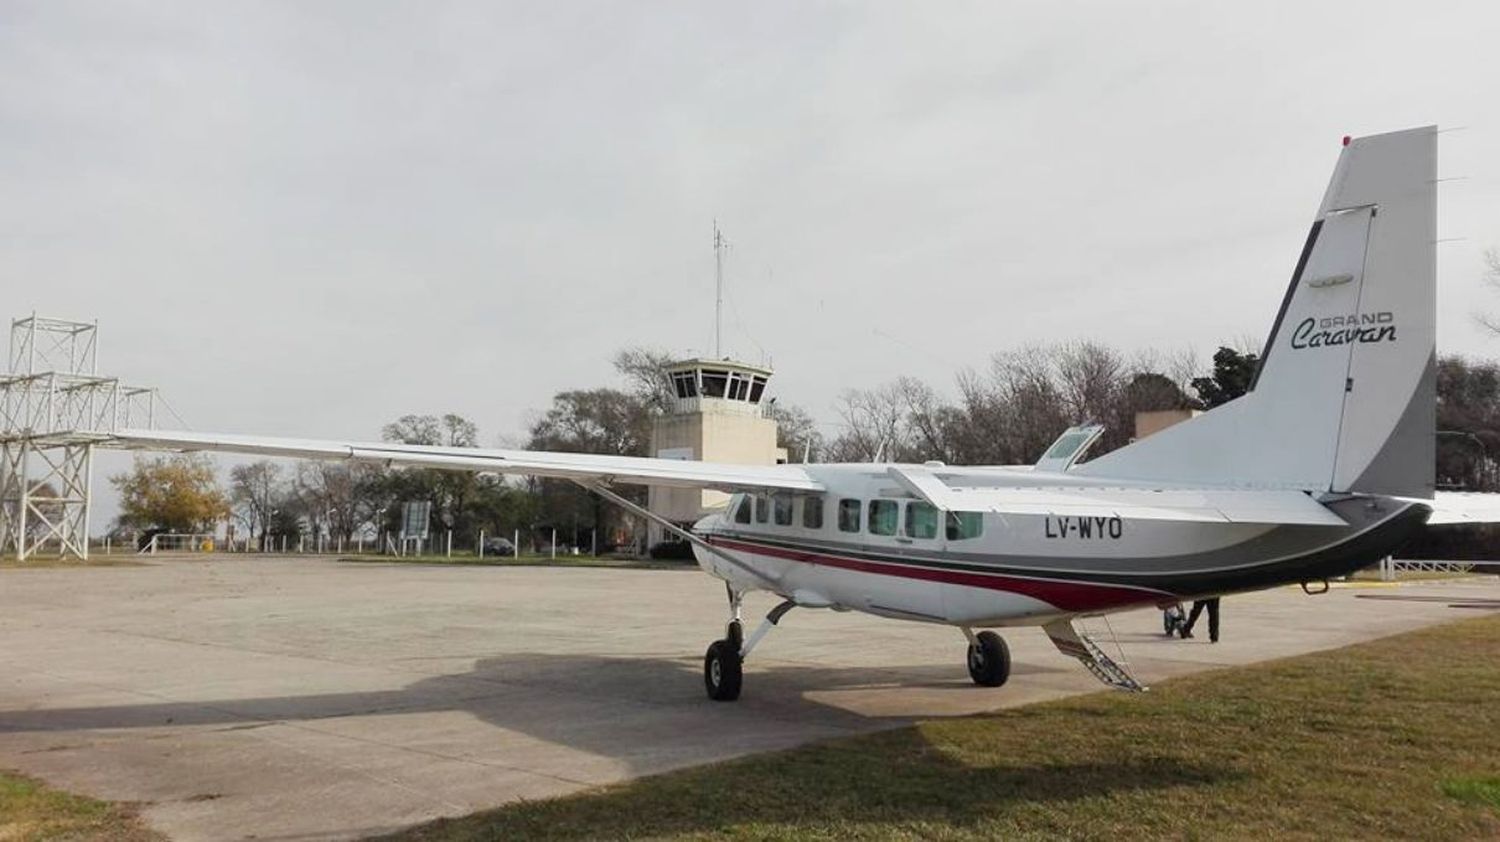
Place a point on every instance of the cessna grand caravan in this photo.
(1324, 467)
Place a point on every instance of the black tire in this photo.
(989, 660)
(722, 671)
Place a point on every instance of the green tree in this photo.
(176, 493)
(450, 492)
(1233, 374)
(604, 421)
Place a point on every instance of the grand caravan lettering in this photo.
(1343, 330)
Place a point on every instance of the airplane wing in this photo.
(633, 470)
(1464, 507)
(1174, 504)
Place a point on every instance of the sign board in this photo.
(415, 515)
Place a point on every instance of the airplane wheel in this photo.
(989, 660)
(722, 671)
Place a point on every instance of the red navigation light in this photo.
(1347, 139)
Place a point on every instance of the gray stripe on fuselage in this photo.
(1278, 544)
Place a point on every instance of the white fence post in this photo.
(449, 550)
(481, 544)
(554, 542)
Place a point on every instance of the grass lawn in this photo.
(31, 811)
(525, 561)
(1395, 738)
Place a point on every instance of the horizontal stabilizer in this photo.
(1463, 507)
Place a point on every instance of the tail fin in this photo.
(1345, 397)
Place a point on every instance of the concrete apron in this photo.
(278, 698)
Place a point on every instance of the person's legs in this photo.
(1187, 628)
(1213, 620)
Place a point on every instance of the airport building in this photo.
(719, 414)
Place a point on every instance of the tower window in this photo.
(715, 381)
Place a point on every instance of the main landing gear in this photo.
(723, 663)
(989, 658)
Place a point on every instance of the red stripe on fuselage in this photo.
(1064, 595)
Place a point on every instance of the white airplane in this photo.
(1324, 468)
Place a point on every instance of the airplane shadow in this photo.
(645, 713)
(649, 715)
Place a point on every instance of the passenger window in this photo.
(742, 514)
(849, 515)
(965, 525)
(883, 516)
(921, 520)
(783, 505)
(762, 509)
(812, 513)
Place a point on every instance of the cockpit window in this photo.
(762, 508)
(742, 512)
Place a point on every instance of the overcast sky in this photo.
(310, 218)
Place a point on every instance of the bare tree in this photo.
(645, 372)
(255, 492)
(345, 496)
(797, 432)
(1492, 279)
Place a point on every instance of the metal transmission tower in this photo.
(54, 407)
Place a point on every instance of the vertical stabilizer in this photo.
(1344, 399)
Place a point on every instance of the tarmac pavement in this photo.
(302, 698)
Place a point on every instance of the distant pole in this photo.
(718, 290)
(450, 544)
(283, 542)
(107, 550)
(594, 542)
(481, 543)
(516, 545)
(554, 542)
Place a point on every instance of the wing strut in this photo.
(636, 509)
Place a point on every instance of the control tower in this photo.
(718, 415)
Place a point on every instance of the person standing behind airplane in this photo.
(1212, 605)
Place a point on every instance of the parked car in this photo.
(499, 546)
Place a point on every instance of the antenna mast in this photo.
(718, 290)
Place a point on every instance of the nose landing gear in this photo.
(723, 663)
(723, 668)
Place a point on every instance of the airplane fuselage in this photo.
(866, 544)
